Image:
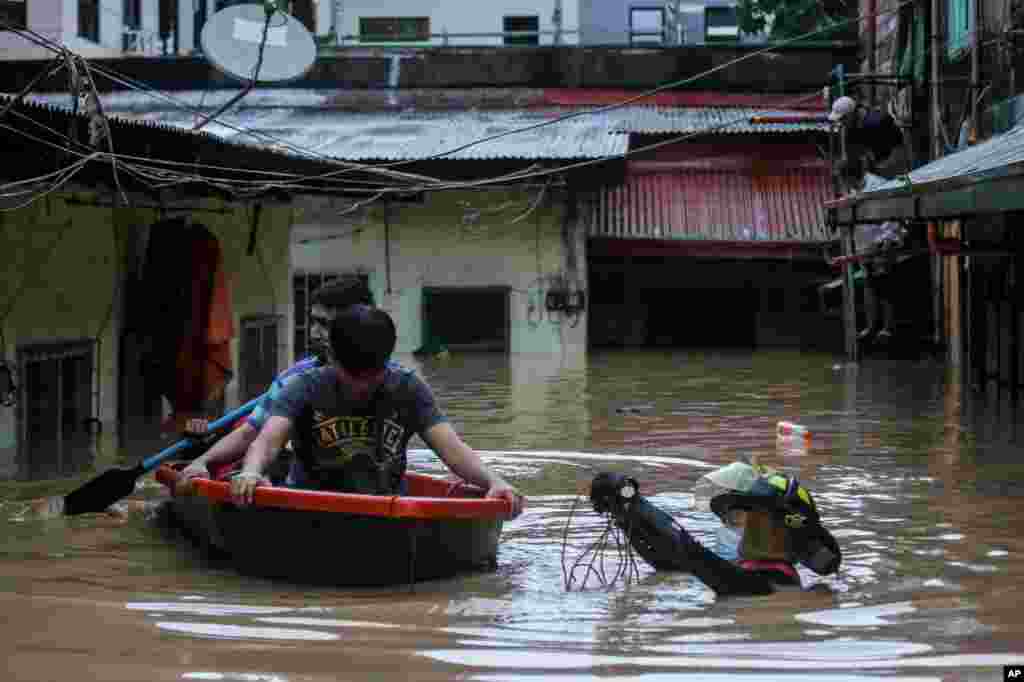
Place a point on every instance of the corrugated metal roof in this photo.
(686, 98)
(984, 157)
(364, 136)
(716, 205)
(168, 147)
(722, 120)
(307, 119)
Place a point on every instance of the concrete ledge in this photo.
(783, 70)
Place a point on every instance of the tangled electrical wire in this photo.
(248, 183)
(611, 550)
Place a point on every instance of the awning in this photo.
(717, 205)
(985, 178)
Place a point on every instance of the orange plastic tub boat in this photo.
(436, 530)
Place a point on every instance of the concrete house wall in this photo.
(457, 239)
(606, 22)
(63, 272)
(452, 16)
(58, 21)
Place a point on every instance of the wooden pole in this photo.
(849, 298)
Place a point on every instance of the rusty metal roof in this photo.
(716, 205)
(720, 120)
(303, 121)
(311, 119)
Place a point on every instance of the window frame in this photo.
(708, 38)
(504, 339)
(48, 351)
(633, 34)
(14, 13)
(89, 9)
(257, 322)
(520, 41)
(420, 35)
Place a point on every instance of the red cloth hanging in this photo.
(191, 318)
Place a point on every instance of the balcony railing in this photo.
(144, 43)
(445, 37)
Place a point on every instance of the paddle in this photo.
(113, 484)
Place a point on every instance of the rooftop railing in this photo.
(522, 38)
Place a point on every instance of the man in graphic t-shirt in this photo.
(350, 421)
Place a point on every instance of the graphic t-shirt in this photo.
(336, 438)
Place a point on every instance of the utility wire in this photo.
(544, 173)
(623, 103)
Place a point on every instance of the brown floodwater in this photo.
(920, 482)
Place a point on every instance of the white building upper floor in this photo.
(122, 27)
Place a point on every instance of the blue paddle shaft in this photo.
(156, 460)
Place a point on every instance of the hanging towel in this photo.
(188, 317)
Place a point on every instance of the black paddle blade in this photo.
(102, 491)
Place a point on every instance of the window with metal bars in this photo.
(304, 285)
(55, 408)
(258, 354)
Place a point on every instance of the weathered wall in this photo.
(785, 70)
(58, 20)
(456, 239)
(60, 282)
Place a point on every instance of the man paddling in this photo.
(350, 421)
(326, 303)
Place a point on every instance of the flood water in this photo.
(920, 482)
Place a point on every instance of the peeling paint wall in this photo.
(61, 281)
(515, 239)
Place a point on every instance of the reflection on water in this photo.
(916, 479)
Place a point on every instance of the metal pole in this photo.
(975, 65)
(849, 298)
(336, 21)
(556, 19)
(387, 247)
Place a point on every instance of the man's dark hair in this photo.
(343, 292)
(362, 338)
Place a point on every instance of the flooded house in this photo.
(120, 294)
(528, 217)
(956, 192)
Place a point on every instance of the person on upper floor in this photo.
(871, 134)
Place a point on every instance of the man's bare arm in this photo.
(261, 453)
(461, 459)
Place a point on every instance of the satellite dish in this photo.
(231, 40)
